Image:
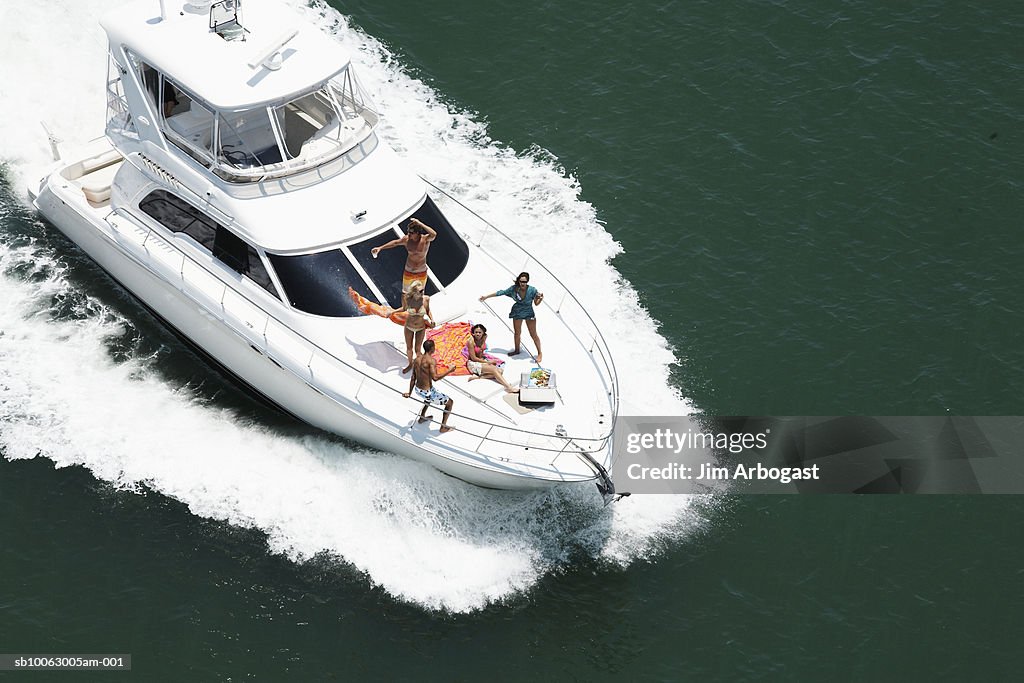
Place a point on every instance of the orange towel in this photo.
(367, 307)
(449, 339)
(409, 277)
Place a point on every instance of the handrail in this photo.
(313, 348)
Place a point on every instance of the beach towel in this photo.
(449, 340)
(367, 307)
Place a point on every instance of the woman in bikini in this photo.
(481, 363)
(417, 319)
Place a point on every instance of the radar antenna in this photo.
(270, 56)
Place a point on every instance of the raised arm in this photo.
(431, 233)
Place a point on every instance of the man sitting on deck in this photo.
(424, 374)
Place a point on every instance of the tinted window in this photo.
(231, 250)
(257, 272)
(386, 270)
(448, 254)
(318, 283)
(240, 257)
(179, 216)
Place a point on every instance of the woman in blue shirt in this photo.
(524, 298)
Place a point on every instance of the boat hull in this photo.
(234, 354)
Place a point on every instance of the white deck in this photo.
(357, 362)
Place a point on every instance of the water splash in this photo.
(420, 535)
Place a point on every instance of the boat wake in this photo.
(77, 390)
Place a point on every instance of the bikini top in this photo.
(481, 352)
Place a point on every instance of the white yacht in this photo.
(237, 191)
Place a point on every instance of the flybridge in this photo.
(247, 101)
(210, 51)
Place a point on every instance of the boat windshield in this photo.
(318, 283)
(278, 139)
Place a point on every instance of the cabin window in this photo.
(299, 134)
(177, 215)
(247, 139)
(318, 283)
(273, 140)
(163, 91)
(305, 120)
(242, 258)
(187, 123)
(349, 94)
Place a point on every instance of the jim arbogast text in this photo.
(708, 472)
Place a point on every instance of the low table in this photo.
(537, 386)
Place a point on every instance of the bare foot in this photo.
(514, 353)
(445, 430)
(513, 390)
(406, 369)
(540, 358)
(425, 418)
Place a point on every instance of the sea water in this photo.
(84, 382)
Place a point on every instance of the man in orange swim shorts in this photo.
(416, 242)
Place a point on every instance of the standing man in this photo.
(424, 374)
(416, 241)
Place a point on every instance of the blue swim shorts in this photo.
(433, 396)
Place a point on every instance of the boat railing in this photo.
(293, 352)
(513, 258)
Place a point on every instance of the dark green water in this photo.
(821, 206)
(820, 203)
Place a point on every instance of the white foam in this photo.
(419, 535)
(54, 68)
